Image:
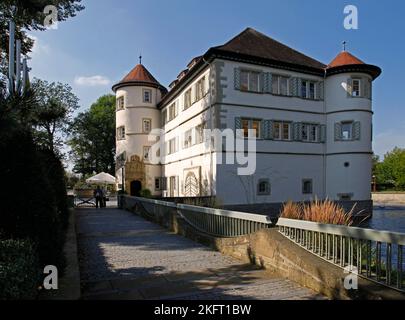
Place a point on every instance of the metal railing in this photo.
(216, 222)
(373, 254)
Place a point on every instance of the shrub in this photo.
(56, 176)
(29, 208)
(325, 211)
(19, 270)
(145, 193)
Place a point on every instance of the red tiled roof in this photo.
(343, 59)
(139, 73)
(139, 76)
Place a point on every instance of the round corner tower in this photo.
(348, 107)
(138, 95)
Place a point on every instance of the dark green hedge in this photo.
(19, 270)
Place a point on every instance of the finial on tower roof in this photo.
(344, 45)
(140, 58)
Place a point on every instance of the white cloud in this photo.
(92, 81)
(39, 47)
(388, 140)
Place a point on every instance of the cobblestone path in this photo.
(123, 256)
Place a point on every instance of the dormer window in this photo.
(147, 95)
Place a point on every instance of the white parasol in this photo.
(101, 178)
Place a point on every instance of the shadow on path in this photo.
(123, 256)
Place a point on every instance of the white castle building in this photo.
(312, 122)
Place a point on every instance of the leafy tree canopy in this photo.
(392, 169)
(55, 104)
(92, 138)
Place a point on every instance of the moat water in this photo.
(387, 219)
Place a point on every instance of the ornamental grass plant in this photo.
(322, 211)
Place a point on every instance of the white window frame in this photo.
(358, 80)
(279, 77)
(200, 89)
(187, 99)
(146, 153)
(308, 128)
(172, 111)
(144, 125)
(188, 139)
(172, 148)
(249, 75)
(281, 130)
(350, 126)
(199, 133)
(250, 126)
(149, 91)
(120, 103)
(121, 133)
(307, 89)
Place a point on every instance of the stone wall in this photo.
(389, 198)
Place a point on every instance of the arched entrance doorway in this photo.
(136, 187)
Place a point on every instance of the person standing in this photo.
(98, 193)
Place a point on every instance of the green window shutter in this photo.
(349, 87)
(319, 90)
(367, 88)
(267, 129)
(297, 131)
(338, 131)
(261, 82)
(236, 78)
(299, 85)
(163, 183)
(363, 88)
(293, 86)
(267, 80)
(356, 130)
(238, 126)
(322, 133)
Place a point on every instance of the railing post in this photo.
(399, 266)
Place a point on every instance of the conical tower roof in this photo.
(139, 76)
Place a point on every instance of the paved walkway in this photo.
(123, 256)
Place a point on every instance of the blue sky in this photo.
(98, 47)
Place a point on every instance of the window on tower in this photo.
(121, 133)
(120, 103)
(356, 85)
(146, 153)
(146, 125)
(147, 95)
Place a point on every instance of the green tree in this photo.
(392, 169)
(375, 162)
(54, 106)
(92, 138)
